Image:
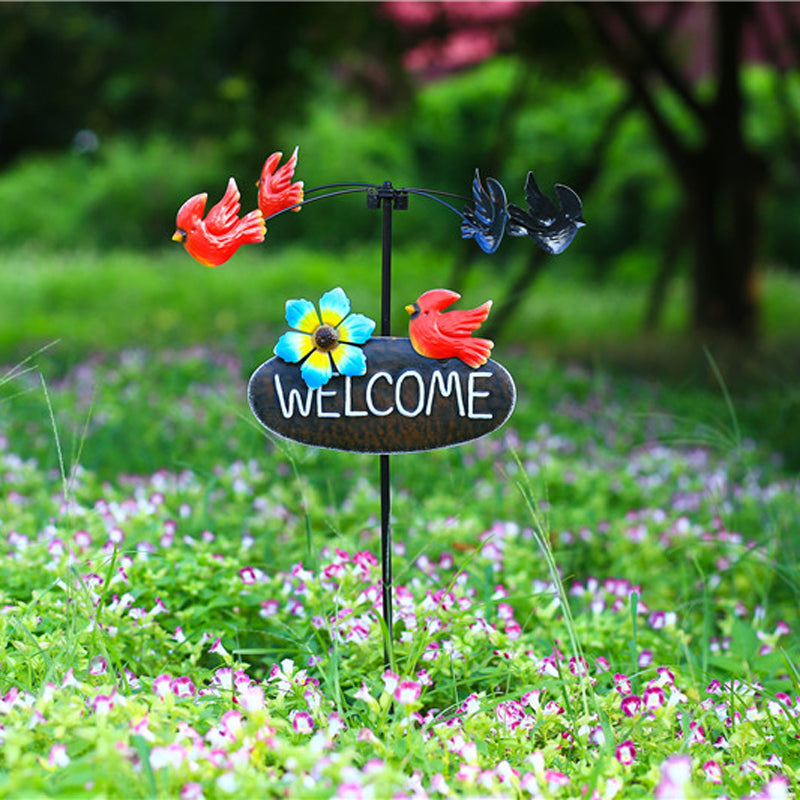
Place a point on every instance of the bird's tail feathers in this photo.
(475, 352)
(251, 228)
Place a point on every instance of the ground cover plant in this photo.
(599, 600)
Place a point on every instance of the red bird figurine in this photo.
(275, 189)
(213, 240)
(448, 335)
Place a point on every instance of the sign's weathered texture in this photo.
(404, 403)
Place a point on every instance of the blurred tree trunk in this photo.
(720, 175)
(586, 175)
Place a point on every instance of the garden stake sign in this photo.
(331, 382)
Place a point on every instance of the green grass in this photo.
(102, 302)
(145, 515)
(185, 525)
(90, 303)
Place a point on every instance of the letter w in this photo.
(294, 397)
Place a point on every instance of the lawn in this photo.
(600, 599)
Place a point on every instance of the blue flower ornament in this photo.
(325, 341)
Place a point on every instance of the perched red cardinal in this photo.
(213, 240)
(275, 189)
(448, 335)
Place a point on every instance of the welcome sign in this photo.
(331, 383)
(403, 403)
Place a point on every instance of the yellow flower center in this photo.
(326, 338)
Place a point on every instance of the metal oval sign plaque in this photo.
(404, 403)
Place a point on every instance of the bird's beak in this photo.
(179, 236)
(580, 222)
(410, 308)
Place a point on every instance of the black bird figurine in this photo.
(486, 223)
(553, 229)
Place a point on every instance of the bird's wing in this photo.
(462, 323)
(569, 201)
(541, 213)
(542, 208)
(521, 223)
(486, 222)
(275, 189)
(278, 180)
(224, 215)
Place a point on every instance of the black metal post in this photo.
(387, 202)
(386, 198)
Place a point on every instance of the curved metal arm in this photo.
(432, 196)
(353, 190)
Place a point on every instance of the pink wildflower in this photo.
(431, 651)
(777, 788)
(555, 779)
(622, 683)
(645, 658)
(625, 752)
(653, 697)
(407, 692)
(363, 693)
(192, 791)
(251, 698)
(597, 735)
(471, 705)
(98, 666)
(631, 705)
(172, 756)
(510, 713)
(230, 724)
(468, 773)
(302, 721)
(103, 703)
(249, 575)
(390, 681)
(713, 772)
(183, 687)
(335, 725)
(218, 648)
(578, 666)
(505, 611)
(367, 735)
(350, 790)
(269, 608)
(750, 766)
(548, 666)
(676, 772)
(69, 679)
(158, 607)
(57, 756)
(142, 728)
(697, 734)
(82, 539)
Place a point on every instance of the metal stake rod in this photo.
(387, 201)
(387, 198)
